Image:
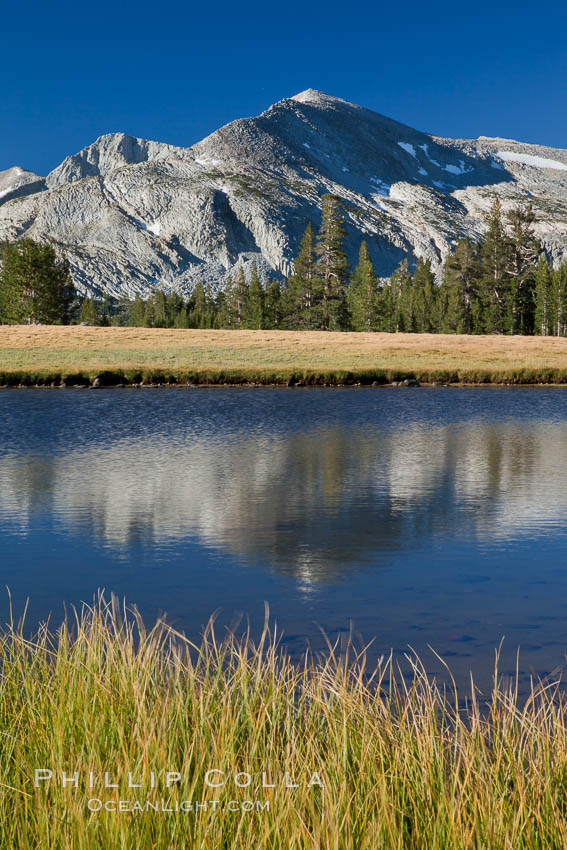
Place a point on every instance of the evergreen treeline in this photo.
(499, 284)
(34, 285)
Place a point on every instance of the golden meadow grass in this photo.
(51, 352)
(401, 766)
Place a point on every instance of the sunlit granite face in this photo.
(134, 215)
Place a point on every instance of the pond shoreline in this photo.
(132, 379)
(39, 355)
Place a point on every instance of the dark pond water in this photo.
(432, 517)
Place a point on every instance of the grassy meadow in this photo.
(45, 354)
(400, 765)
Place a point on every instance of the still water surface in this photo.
(421, 517)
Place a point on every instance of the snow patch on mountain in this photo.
(203, 160)
(380, 186)
(529, 159)
(408, 148)
(459, 169)
(425, 149)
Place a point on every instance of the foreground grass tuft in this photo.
(401, 766)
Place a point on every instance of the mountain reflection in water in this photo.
(321, 500)
(434, 490)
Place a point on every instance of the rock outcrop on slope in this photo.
(16, 182)
(133, 215)
(108, 153)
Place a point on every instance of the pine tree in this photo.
(196, 305)
(407, 302)
(332, 264)
(181, 319)
(254, 313)
(149, 313)
(89, 312)
(219, 309)
(224, 304)
(387, 307)
(235, 301)
(302, 297)
(118, 318)
(136, 313)
(34, 285)
(104, 311)
(363, 295)
(159, 309)
(211, 308)
(460, 290)
(425, 295)
(497, 250)
(273, 305)
(201, 307)
(560, 299)
(397, 299)
(524, 254)
(240, 302)
(174, 306)
(545, 320)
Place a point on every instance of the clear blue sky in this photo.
(176, 71)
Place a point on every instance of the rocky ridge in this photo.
(17, 182)
(133, 215)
